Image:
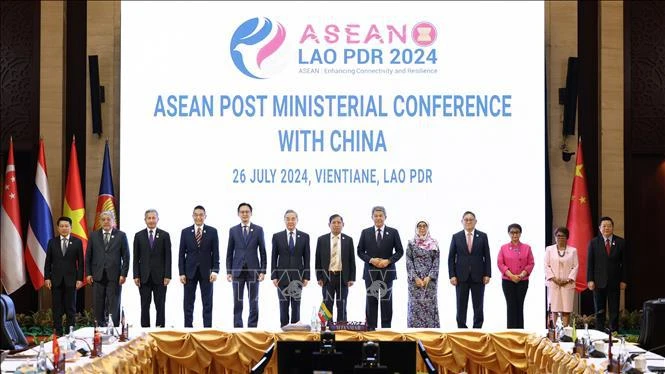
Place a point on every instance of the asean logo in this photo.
(255, 47)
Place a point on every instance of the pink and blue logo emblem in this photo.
(254, 47)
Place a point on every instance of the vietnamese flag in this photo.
(579, 219)
(74, 205)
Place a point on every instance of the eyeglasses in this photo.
(514, 232)
(422, 225)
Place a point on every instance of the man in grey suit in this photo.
(106, 266)
(152, 267)
(290, 267)
(246, 244)
(63, 272)
(469, 268)
(379, 247)
(335, 265)
(606, 272)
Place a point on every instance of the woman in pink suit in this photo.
(561, 271)
(515, 262)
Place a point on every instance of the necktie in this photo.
(151, 238)
(106, 238)
(607, 246)
(198, 237)
(469, 241)
(244, 232)
(378, 237)
(64, 246)
(334, 262)
(292, 243)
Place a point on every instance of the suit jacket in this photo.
(287, 267)
(67, 268)
(190, 256)
(322, 258)
(155, 261)
(114, 256)
(469, 266)
(241, 252)
(604, 270)
(367, 249)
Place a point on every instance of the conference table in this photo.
(215, 351)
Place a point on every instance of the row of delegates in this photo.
(106, 267)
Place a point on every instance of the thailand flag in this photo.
(40, 226)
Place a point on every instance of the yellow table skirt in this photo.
(213, 351)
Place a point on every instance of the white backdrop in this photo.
(173, 158)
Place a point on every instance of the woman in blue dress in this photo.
(422, 266)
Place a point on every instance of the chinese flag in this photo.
(579, 218)
(74, 205)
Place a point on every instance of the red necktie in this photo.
(607, 246)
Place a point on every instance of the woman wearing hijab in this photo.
(422, 266)
(515, 262)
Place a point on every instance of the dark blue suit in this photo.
(469, 268)
(607, 272)
(290, 269)
(242, 262)
(379, 282)
(64, 270)
(196, 263)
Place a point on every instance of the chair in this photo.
(431, 368)
(263, 362)
(11, 336)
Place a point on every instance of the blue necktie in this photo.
(378, 237)
(244, 233)
(292, 244)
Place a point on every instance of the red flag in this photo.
(74, 205)
(13, 264)
(106, 198)
(56, 351)
(579, 218)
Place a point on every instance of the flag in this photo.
(106, 199)
(56, 351)
(13, 266)
(74, 205)
(579, 219)
(40, 226)
(324, 314)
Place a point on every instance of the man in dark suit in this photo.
(152, 267)
(335, 265)
(606, 272)
(246, 243)
(63, 272)
(107, 265)
(290, 267)
(379, 247)
(469, 268)
(198, 262)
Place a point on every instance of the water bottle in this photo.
(110, 327)
(559, 327)
(314, 323)
(42, 360)
(71, 341)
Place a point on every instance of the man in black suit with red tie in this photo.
(606, 272)
(246, 244)
(198, 262)
(107, 265)
(290, 267)
(152, 267)
(335, 265)
(469, 268)
(379, 247)
(63, 272)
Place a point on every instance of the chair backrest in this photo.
(11, 336)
